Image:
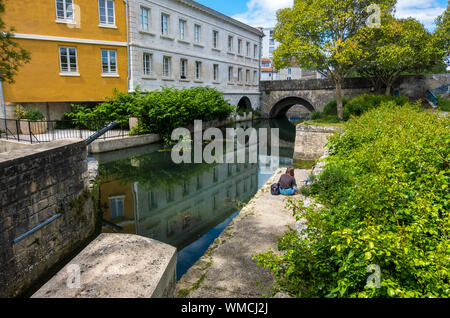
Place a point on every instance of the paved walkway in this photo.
(227, 268)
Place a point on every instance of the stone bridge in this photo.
(278, 96)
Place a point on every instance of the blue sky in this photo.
(262, 12)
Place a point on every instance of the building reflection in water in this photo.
(143, 192)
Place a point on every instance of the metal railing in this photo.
(441, 90)
(49, 130)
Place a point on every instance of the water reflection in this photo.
(186, 205)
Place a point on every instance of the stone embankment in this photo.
(228, 269)
(310, 141)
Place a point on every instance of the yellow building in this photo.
(78, 53)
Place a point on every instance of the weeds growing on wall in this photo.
(385, 196)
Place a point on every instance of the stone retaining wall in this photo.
(38, 184)
(310, 141)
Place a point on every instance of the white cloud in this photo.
(426, 11)
(263, 12)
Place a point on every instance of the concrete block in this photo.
(117, 266)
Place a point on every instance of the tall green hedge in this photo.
(386, 201)
(160, 111)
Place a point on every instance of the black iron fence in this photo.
(49, 130)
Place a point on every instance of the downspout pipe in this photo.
(2, 100)
(128, 46)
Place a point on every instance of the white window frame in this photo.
(107, 23)
(144, 27)
(109, 72)
(230, 74)
(239, 75)
(181, 31)
(198, 70)
(230, 43)
(247, 48)
(183, 68)
(197, 33)
(165, 32)
(216, 72)
(169, 66)
(69, 69)
(239, 48)
(255, 77)
(65, 10)
(255, 51)
(147, 65)
(115, 200)
(215, 39)
(247, 76)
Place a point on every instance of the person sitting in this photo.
(288, 185)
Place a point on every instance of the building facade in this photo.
(78, 53)
(183, 44)
(268, 71)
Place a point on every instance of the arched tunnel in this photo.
(244, 103)
(280, 109)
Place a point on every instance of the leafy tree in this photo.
(399, 46)
(12, 56)
(441, 35)
(327, 35)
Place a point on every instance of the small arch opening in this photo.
(244, 103)
(280, 109)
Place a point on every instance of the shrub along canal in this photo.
(185, 205)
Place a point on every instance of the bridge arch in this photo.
(282, 106)
(244, 103)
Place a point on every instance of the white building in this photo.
(182, 43)
(269, 73)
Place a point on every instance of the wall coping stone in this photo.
(118, 266)
(34, 151)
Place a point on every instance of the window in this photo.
(230, 44)
(239, 79)
(197, 33)
(109, 62)
(215, 39)
(239, 46)
(64, 10)
(247, 49)
(166, 66)
(289, 71)
(255, 51)
(198, 70)
(216, 72)
(255, 77)
(106, 12)
(181, 29)
(271, 42)
(147, 64)
(144, 18)
(183, 68)
(247, 76)
(271, 49)
(164, 24)
(68, 59)
(230, 74)
(271, 33)
(116, 206)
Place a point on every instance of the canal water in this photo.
(144, 192)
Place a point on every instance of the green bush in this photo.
(162, 111)
(385, 201)
(362, 103)
(331, 107)
(315, 114)
(443, 103)
(34, 115)
(159, 111)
